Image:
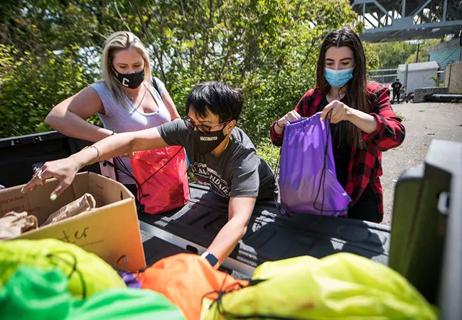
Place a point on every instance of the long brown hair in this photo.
(356, 93)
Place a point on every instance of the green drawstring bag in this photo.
(340, 286)
(87, 273)
(33, 293)
(136, 304)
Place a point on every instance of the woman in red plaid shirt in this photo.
(363, 123)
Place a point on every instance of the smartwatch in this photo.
(210, 257)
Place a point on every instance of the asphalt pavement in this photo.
(423, 122)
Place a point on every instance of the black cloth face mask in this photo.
(130, 80)
(206, 142)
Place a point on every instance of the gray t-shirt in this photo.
(237, 172)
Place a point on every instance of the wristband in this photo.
(210, 257)
(97, 151)
(277, 123)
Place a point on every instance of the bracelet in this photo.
(97, 151)
(277, 124)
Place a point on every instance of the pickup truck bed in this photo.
(269, 236)
(424, 247)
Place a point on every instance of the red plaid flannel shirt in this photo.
(365, 166)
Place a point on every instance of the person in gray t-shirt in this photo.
(220, 154)
(236, 172)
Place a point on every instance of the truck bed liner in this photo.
(269, 235)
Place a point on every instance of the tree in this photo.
(31, 84)
(391, 54)
(422, 49)
(266, 47)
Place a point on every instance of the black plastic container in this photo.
(427, 227)
(20, 155)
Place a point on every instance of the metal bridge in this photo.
(390, 20)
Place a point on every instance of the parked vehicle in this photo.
(425, 243)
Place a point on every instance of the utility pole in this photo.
(460, 43)
(417, 54)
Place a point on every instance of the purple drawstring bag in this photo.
(307, 178)
(130, 279)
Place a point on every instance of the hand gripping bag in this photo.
(161, 178)
(307, 177)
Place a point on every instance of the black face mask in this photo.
(130, 80)
(206, 142)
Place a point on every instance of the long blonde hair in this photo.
(115, 42)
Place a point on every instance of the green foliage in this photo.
(270, 153)
(391, 54)
(424, 55)
(372, 56)
(31, 84)
(268, 48)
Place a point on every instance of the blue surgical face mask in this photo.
(338, 78)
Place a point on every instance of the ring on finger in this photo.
(38, 173)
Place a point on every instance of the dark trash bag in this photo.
(307, 178)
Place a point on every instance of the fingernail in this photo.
(53, 196)
(22, 190)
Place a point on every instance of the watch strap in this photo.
(210, 257)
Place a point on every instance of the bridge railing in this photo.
(383, 75)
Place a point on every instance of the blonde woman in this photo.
(128, 98)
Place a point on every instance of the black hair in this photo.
(217, 98)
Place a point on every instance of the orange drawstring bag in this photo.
(186, 279)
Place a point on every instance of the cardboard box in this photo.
(111, 230)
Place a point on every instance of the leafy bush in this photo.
(32, 84)
(268, 48)
(270, 153)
